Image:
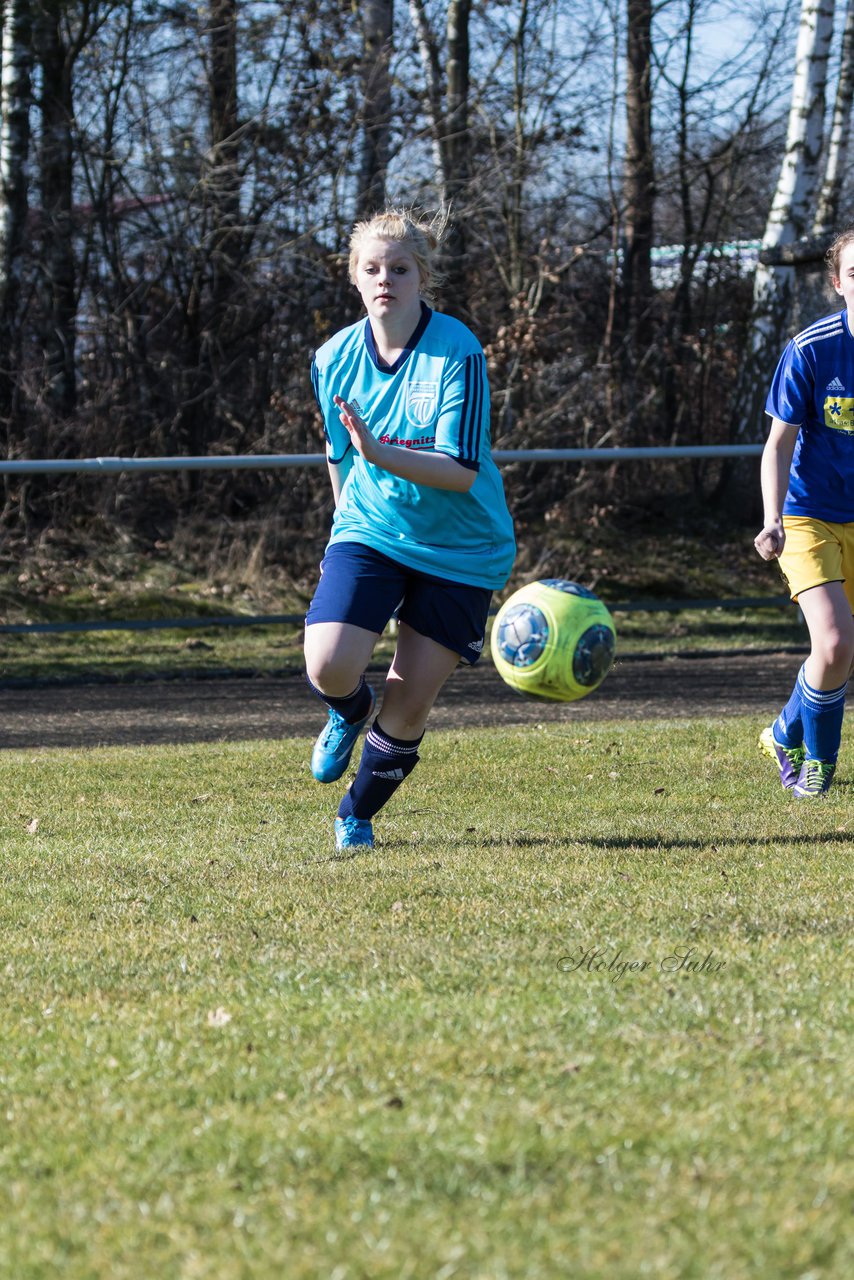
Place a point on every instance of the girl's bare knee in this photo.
(335, 677)
(835, 655)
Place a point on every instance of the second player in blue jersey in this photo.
(808, 497)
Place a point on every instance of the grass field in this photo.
(168, 653)
(584, 1012)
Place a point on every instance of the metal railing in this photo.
(265, 461)
(245, 462)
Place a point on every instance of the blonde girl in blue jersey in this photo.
(808, 495)
(421, 527)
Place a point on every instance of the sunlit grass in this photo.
(585, 1011)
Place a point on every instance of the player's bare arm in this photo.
(335, 479)
(421, 466)
(774, 472)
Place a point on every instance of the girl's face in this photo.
(844, 282)
(388, 280)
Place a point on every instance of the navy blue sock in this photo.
(355, 707)
(385, 762)
(822, 711)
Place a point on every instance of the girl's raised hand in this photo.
(363, 441)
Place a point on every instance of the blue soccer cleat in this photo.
(333, 748)
(353, 833)
(814, 779)
(789, 760)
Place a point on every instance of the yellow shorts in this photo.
(816, 552)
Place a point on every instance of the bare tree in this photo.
(196, 167)
(377, 36)
(709, 174)
(213, 302)
(431, 63)
(457, 136)
(639, 180)
(221, 177)
(16, 102)
(56, 50)
(447, 75)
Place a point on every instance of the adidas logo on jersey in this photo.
(835, 385)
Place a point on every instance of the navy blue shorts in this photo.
(365, 588)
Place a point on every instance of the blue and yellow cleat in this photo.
(353, 833)
(333, 748)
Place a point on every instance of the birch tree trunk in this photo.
(827, 211)
(812, 295)
(790, 214)
(15, 100)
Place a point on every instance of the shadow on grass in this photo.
(727, 842)
(617, 843)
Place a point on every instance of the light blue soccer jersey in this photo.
(434, 397)
(814, 388)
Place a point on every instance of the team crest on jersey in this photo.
(422, 401)
(839, 413)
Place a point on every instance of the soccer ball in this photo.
(553, 639)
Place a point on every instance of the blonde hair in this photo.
(833, 257)
(422, 236)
